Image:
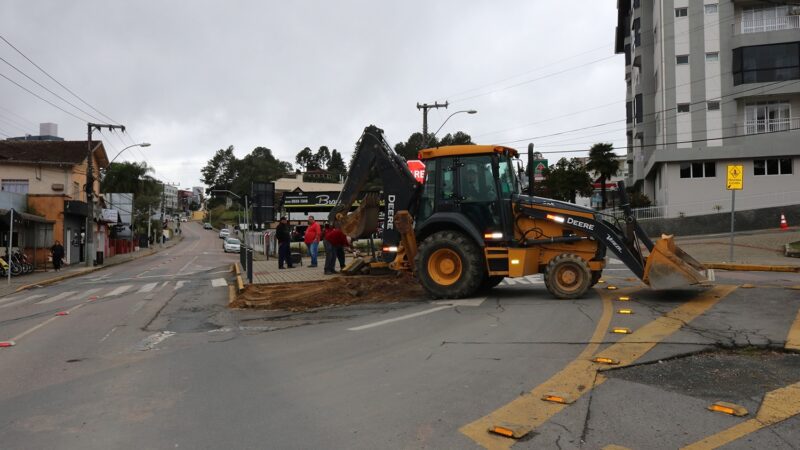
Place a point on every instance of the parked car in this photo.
(207, 226)
(223, 233)
(231, 245)
(184, 219)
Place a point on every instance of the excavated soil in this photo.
(340, 290)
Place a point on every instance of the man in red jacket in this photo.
(335, 242)
(311, 238)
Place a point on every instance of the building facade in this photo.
(710, 84)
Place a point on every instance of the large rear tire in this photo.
(450, 265)
(567, 276)
(491, 281)
(596, 275)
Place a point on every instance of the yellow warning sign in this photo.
(735, 180)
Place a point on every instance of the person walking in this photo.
(337, 241)
(57, 253)
(283, 237)
(312, 237)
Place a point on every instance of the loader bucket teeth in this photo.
(363, 221)
(669, 267)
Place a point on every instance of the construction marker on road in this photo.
(602, 360)
(62, 313)
(92, 298)
(621, 330)
(624, 311)
(731, 409)
(612, 288)
(7, 344)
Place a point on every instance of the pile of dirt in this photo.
(335, 291)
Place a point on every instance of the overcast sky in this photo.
(192, 77)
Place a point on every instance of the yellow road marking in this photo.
(580, 375)
(778, 405)
(615, 447)
(793, 339)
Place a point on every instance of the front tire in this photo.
(450, 265)
(567, 276)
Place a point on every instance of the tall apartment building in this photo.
(712, 83)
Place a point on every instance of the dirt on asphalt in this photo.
(340, 290)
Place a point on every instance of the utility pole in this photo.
(425, 107)
(149, 224)
(90, 189)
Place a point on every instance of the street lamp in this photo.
(143, 144)
(468, 111)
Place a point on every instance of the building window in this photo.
(681, 12)
(636, 3)
(711, 8)
(712, 57)
(628, 112)
(756, 20)
(15, 186)
(638, 108)
(765, 63)
(682, 59)
(773, 166)
(698, 170)
(683, 107)
(76, 190)
(637, 37)
(767, 117)
(713, 106)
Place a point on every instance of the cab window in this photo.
(428, 191)
(476, 180)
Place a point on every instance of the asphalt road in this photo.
(162, 364)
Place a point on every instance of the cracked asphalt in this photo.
(174, 368)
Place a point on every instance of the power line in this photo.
(56, 81)
(4, 133)
(48, 90)
(13, 124)
(18, 116)
(43, 99)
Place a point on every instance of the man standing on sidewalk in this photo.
(283, 237)
(335, 242)
(312, 237)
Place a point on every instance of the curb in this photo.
(751, 267)
(50, 281)
(239, 282)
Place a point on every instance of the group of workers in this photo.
(332, 238)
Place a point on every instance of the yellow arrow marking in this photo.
(793, 339)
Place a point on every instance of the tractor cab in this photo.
(469, 184)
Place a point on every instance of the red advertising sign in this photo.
(417, 169)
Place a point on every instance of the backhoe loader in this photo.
(469, 225)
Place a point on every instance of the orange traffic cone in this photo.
(784, 225)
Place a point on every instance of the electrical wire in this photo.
(56, 81)
(43, 99)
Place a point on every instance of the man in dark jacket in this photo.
(283, 237)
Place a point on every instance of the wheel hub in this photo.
(444, 266)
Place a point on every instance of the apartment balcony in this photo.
(771, 125)
(772, 24)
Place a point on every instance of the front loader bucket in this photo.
(669, 267)
(363, 221)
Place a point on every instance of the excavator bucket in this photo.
(363, 221)
(669, 267)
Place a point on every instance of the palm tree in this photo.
(604, 163)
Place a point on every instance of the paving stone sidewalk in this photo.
(267, 272)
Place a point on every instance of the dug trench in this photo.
(336, 291)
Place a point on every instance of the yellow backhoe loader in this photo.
(469, 225)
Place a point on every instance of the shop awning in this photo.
(21, 217)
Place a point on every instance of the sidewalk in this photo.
(267, 272)
(75, 270)
(763, 247)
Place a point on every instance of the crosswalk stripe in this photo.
(147, 287)
(26, 299)
(179, 284)
(614, 261)
(56, 298)
(118, 290)
(218, 282)
(86, 294)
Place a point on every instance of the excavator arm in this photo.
(400, 189)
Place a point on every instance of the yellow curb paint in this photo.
(615, 447)
(778, 405)
(580, 376)
(793, 339)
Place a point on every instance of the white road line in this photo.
(118, 290)
(615, 261)
(179, 284)
(86, 294)
(16, 297)
(535, 278)
(407, 316)
(26, 299)
(147, 288)
(463, 302)
(56, 298)
(512, 281)
(218, 282)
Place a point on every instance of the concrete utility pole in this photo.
(425, 107)
(90, 189)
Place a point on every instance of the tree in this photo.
(459, 138)
(132, 177)
(336, 164)
(605, 164)
(221, 170)
(566, 179)
(322, 157)
(306, 159)
(260, 165)
(410, 148)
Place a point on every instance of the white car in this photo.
(223, 233)
(231, 245)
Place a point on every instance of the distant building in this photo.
(47, 132)
(170, 198)
(712, 84)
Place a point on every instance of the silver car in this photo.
(231, 245)
(223, 233)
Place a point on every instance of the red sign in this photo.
(417, 169)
